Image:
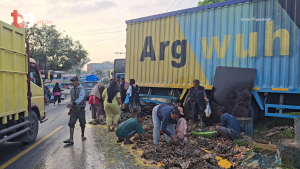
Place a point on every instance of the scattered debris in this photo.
(102, 120)
(193, 155)
(279, 130)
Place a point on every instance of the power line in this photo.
(97, 30)
(105, 39)
(171, 5)
(108, 43)
(192, 3)
(177, 5)
(98, 33)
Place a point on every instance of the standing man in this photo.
(198, 99)
(77, 109)
(123, 90)
(168, 115)
(230, 127)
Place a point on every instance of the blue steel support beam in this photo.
(158, 96)
(255, 94)
(152, 101)
(280, 106)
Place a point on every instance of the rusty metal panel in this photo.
(233, 89)
(172, 49)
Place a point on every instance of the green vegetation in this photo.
(206, 2)
(255, 148)
(49, 47)
(97, 72)
(240, 142)
(105, 81)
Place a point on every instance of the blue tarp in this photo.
(91, 77)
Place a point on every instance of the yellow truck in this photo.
(21, 88)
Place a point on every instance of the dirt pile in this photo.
(279, 131)
(179, 156)
(101, 120)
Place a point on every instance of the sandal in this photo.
(129, 142)
(120, 141)
(69, 141)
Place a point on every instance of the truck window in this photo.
(35, 76)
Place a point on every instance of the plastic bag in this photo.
(207, 110)
(126, 99)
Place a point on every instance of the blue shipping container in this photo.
(260, 34)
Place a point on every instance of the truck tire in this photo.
(34, 128)
(253, 112)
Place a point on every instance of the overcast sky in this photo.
(101, 15)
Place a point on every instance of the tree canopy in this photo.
(206, 2)
(49, 47)
(98, 72)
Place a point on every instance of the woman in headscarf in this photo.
(134, 99)
(112, 104)
(95, 101)
(56, 93)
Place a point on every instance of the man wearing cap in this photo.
(77, 109)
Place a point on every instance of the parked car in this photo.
(88, 87)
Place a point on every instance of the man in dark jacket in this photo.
(123, 90)
(197, 98)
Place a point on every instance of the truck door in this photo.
(37, 90)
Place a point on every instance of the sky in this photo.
(98, 24)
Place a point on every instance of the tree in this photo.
(105, 81)
(98, 72)
(50, 48)
(206, 2)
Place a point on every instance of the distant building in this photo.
(91, 67)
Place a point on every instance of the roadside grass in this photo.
(263, 127)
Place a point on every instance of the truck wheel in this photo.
(34, 128)
(253, 112)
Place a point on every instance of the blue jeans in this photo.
(156, 129)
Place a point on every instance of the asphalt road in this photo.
(49, 151)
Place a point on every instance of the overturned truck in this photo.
(166, 52)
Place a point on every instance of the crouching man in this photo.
(129, 128)
(168, 115)
(230, 127)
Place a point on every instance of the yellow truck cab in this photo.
(21, 88)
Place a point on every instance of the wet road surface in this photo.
(49, 151)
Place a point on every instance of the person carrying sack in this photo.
(94, 101)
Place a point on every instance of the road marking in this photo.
(28, 149)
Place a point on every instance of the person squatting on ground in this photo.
(168, 115)
(94, 101)
(112, 104)
(56, 93)
(77, 109)
(134, 98)
(181, 127)
(230, 127)
(130, 127)
(197, 98)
